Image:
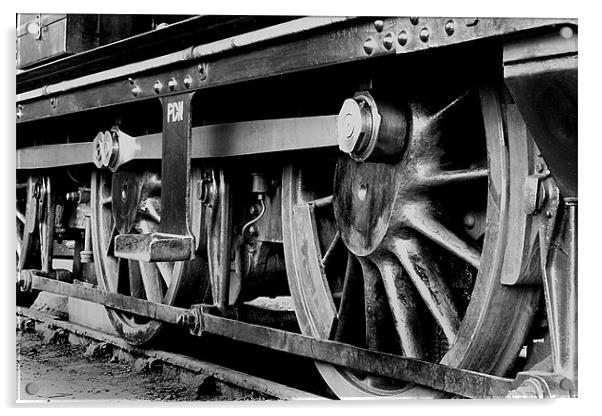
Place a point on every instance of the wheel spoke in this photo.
(110, 246)
(375, 308)
(135, 279)
(402, 299)
(424, 273)
(455, 176)
(106, 200)
(350, 318)
(152, 281)
(166, 271)
(165, 268)
(331, 247)
(21, 216)
(321, 202)
(420, 220)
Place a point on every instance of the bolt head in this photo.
(450, 27)
(369, 46)
(402, 38)
(379, 25)
(424, 34)
(414, 20)
(351, 124)
(566, 32)
(469, 221)
(187, 81)
(136, 91)
(157, 86)
(388, 41)
(172, 84)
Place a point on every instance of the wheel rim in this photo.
(27, 240)
(166, 282)
(403, 274)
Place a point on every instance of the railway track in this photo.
(187, 369)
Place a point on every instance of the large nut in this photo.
(372, 130)
(354, 123)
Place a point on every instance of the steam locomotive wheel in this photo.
(406, 258)
(34, 213)
(139, 212)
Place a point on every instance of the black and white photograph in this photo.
(277, 207)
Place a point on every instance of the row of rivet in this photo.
(172, 84)
(370, 44)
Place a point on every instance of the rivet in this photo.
(388, 41)
(369, 46)
(469, 221)
(131, 81)
(187, 81)
(172, 84)
(566, 32)
(548, 214)
(202, 72)
(414, 20)
(19, 111)
(379, 25)
(157, 86)
(424, 34)
(136, 90)
(450, 27)
(53, 102)
(402, 38)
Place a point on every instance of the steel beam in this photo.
(298, 45)
(219, 140)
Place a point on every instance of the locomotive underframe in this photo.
(300, 45)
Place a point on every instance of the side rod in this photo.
(457, 381)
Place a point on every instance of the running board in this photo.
(199, 320)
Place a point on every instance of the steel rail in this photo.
(220, 140)
(273, 32)
(457, 381)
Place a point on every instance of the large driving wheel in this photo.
(138, 210)
(407, 257)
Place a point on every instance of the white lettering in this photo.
(175, 111)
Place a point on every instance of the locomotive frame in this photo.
(526, 98)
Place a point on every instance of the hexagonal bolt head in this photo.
(353, 125)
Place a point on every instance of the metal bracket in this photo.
(174, 240)
(175, 168)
